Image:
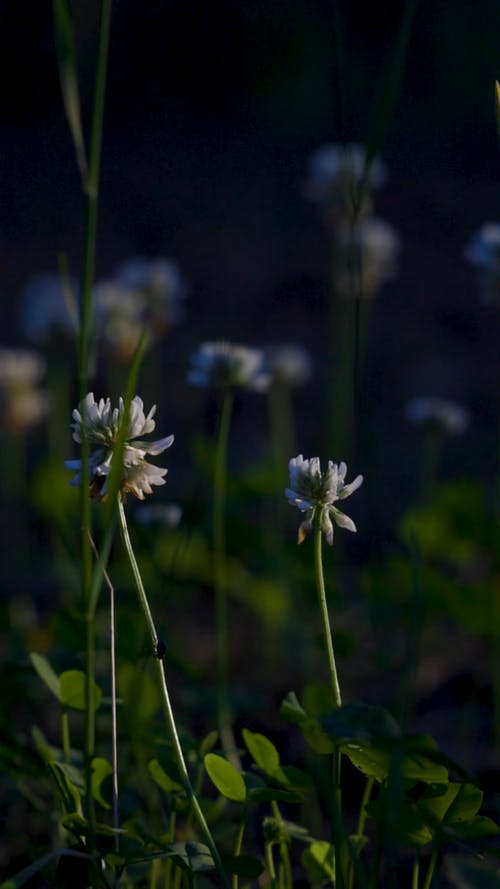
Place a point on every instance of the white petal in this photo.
(342, 520)
(157, 447)
(350, 488)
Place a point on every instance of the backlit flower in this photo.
(100, 423)
(334, 173)
(224, 365)
(50, 305)
(483, 251)
(289, 364)
(365, 257)
(22, 403)
(315, 492)
(447, 415)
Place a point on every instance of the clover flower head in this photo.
(22, 402)
(373, 245)
(289, 364)
(333, 174)
(483, 251)
(100, 423)
(49, 305)
(143, 293)
(449, 416)
(315, 492)
(223, 365)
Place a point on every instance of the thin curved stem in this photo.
(431, 869)
(167, 707)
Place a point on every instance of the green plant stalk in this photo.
(337, 699)
(91, 188)
(66, 743)
(285, 870)
(268, 854)
(415, 872)
(220, 578)
(167, 707)
(239, 843)
(431, 869)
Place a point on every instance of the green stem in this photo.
(239, 844)
(415, 872)
(270, 864)
(91, 187)
(167, 707)
(431, 869)
(220, 579)
(65, 736)
(320, 584)
(335, 687)
(362, 809)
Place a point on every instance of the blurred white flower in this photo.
(167, 514)
(223, 365)
(49, 305)
(144, 293)
(449, 416)
(22, 403)
(289, 364)
(372, 246)
(334, 173)
(483, 251)
(100, 423)
(315, 492)
(119, 317)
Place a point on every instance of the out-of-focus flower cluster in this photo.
(143, 294)
(365, 247)
(483, 251)
(223, 365)
(438, 413)
(23, 402)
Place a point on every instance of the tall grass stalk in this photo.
(220, 581)
(337, 700)
(167, 707)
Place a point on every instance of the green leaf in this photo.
(469, 873)
(319, 861)
(66, 53)
(293, 712)
(101, 768)
(160, 777)
(226, 778)
(360, 722)
(72, 684)
(262, 750)
(138, 691)
(192, 857)
(208, 743)
(46, 673)
(273, 794)
(68, 792)
(245, 866)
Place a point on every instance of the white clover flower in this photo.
(100, 423)
(22, 403)
(373, 245)
(224, 365)
(483, 251)
(315, 492)
(120, 316)
(334, 173)
(450, 416)
(289, 364)
(144, 293)
(161, 285)
(49, 305)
